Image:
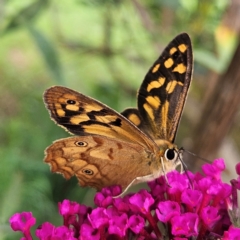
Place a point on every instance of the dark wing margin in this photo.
(163, 93)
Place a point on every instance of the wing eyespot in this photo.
(72, 102)
(170, 154)
(81, 144)
(87, 171)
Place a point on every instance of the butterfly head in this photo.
(169, 155)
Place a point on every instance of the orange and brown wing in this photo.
(162, 95)
(82, 115)
(98, 161)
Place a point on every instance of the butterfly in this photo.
(124, 149)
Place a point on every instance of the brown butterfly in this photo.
(123, 149)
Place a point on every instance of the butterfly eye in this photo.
(71, 102)
(81, 144)
(88, 171)
(170, 154)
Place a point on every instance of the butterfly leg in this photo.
(146, 178)
(164, 171)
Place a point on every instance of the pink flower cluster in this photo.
(190, 205)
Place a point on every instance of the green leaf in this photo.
(11, 199)
(49, 53)
(25, 15)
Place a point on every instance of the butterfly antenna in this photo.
(164, 172)
(184, 166)
(195, 155)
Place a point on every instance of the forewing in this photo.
(82, 115)
(133, 115)
(163, 92)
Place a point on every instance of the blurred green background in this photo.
(102, 49)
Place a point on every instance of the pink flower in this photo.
(233, 233)
(204, 211)
(186, 225)
(48, 231)
(23, 222)
(166, 210)
(143, 200)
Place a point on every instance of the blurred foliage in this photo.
(100, 48)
